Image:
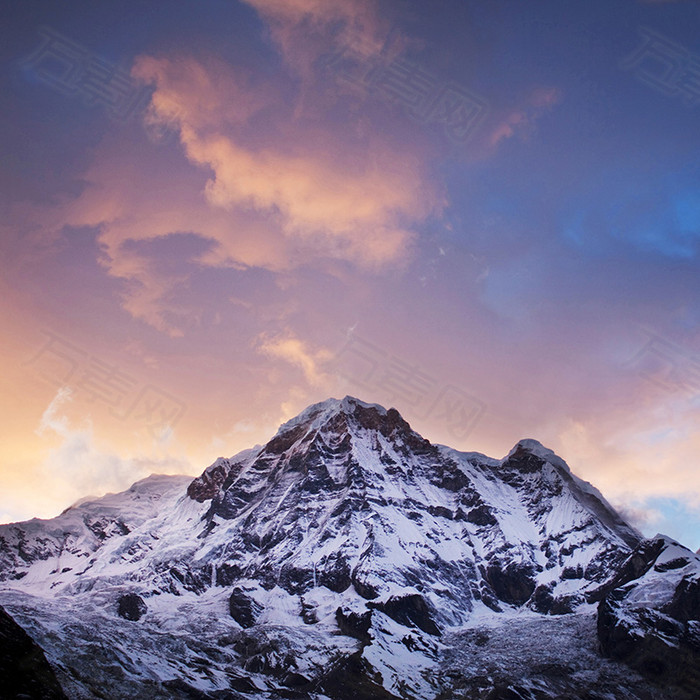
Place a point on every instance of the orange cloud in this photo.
(348, 205)
(347, 215)
(297, 352)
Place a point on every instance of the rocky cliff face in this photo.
(24, 670)
(650, 618)
(346, 557)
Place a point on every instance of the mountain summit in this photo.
(350, 557)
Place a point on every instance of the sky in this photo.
(215, 213)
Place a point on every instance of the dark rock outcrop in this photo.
(131, 607)
(24, 670)
(354, 679)
(210, 482)
(481, 515)
(243, 609)
(685, 604)
(512, 583)
(410, 610)
(282, 442)
(335, 573)
(354, 624)
(361, 583)
(636, 565)
(523, 460)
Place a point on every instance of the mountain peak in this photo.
(319, 413)
(342, 416)
(530, 445)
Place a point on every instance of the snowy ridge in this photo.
(38, 549)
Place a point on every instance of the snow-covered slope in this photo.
(64, 546)
(346, 557)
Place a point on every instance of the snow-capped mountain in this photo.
(350, 557)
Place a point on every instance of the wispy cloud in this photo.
(304, 29)
(521, 120)
(78, 465)
(298, 353)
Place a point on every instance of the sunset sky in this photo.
(486, 214)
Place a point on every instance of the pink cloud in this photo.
(297, 352)
(521, 120)
(352, 202)
(207, 92)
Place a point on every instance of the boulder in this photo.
(410, 610)
(131, 607)
(243, 609)
(354, 624)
